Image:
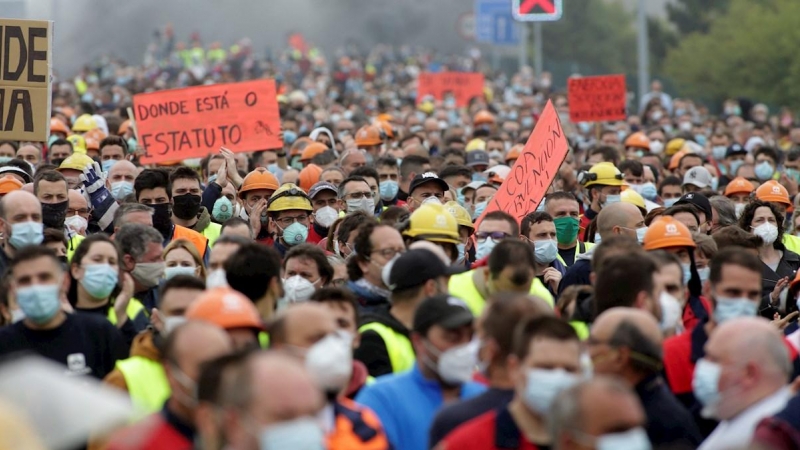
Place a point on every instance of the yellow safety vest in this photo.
(263, 340)
(212, 232)
(147, 383)
(580, 328)
(792, 243)
(585, 245)
(133, 309)
(72, 245)
(401, 353)
(463, 287)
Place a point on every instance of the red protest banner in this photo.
(537, 165)
(192, 122)
(596, 99)
(464, 86)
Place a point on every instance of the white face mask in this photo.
(361, 204)
(330, 361)
(216, 278)
(457, 364)
(671, 312)
(766, 231)
(77, 224)
(325, 216)
(297, 289)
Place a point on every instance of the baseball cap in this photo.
(427, 177)
(321, 186)
(415, 267)
(734, 150)
(698, 176)
(697, 200)
(477, 158)
(444, 310)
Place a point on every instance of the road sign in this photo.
(466, 26)
(494, 23)
(537, 10)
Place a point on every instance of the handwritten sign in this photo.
(192, 122)
(463, 86)
(596, 99)
(536, 167)
(25, 67)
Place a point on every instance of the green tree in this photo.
(695, 16)
(748, 52)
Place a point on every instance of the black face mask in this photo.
(186, 206)
(53, 214)
(57, 161)
(162, 219)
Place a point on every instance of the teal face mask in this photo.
(223, 209)
(295, 234)
(39, 302)
(99, 280)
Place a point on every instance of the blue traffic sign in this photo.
(494, 22)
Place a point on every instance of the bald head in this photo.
(290, 176)
(19, 203)
(417, 150)
(194, 343)
(750, 340)
(301, 325)
(635, 335)
(619, 218)
(77, 200)
(642, 320)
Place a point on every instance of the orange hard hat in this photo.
(124, 127)
(313, 149)
(8, 183)
(514, 152)
(739, 185)
(57, 126)
(299, 145)
(482, 117)
(638, 140)
(676, 159)
(666, 232)
(309, 176)
(97, 134)
(386, 117)
(260, 178)
(388, 131)
(92, 143)
(226, 308)
(368, 135)
(772, 191)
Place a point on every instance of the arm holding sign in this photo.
(103, 204)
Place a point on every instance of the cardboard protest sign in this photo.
(25, 65)
(193, 122)
(537, 165)
(463, 86)
(596, 99)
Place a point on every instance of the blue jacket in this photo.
(406, 404)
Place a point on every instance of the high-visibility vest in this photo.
(200, 242)
(73, 244)
(355, 428)
(581, 329)
(463, 287)
(401, 352)
(212, 232)
(133, 309)
(147, 383)
(582, 248)
(791, 242)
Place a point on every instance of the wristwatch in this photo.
(281, 154)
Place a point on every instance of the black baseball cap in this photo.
(444, 310)
(415, 267)
(427, 177)
(735, 149)
(321, 186)
(697, 200)
(477, 158)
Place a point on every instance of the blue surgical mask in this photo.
(764, 171)
(295, 234)
(597, 238)
(633, 439)
(543, 385)
(26, 233)
(462, 252)
(389, 189)
(668, 202)
(170, 272)
(303, 433)
(484, 248)
(121, 189)
(611, 199)
(545, 251)
(477, 176)
(223, 209)
(99, 280)
(289, 137)
(734, 308)
(704, 273)
(640, 232)
(648, 191)
(132, 146)
(107, 164)
(718, 152)
(705, 382)
(39, 302)
(700, 139)
(479, 209)
(687, 272)
(794, 174)
(734, 166)
(5, 159)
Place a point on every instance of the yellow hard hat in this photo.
(460, 213)
(78, 143)
(476, 144)
(674, 146)
(632, 197)
(76, 161)
(83, 123)
(288, 197)
(432, 222)
(601, 174)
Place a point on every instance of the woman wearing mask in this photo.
(305, 269)
(181, 258)
(342, 234)
(97, 286)
(779, 265)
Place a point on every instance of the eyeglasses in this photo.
(79, 212)
(360, 195)
(389, 253)
(495, 235)
(339, 282)
(286, 221)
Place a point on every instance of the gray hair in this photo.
(134, 238)
(726, 212)
(128, 208)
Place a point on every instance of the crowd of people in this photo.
(354, 290)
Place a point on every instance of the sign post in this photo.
(495, 23)
(192, 122)
(26, 61)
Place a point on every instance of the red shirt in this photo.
(153, 433)
(492, 430)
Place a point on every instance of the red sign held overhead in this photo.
(537, 10)
(463, 86)
(596, 99)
